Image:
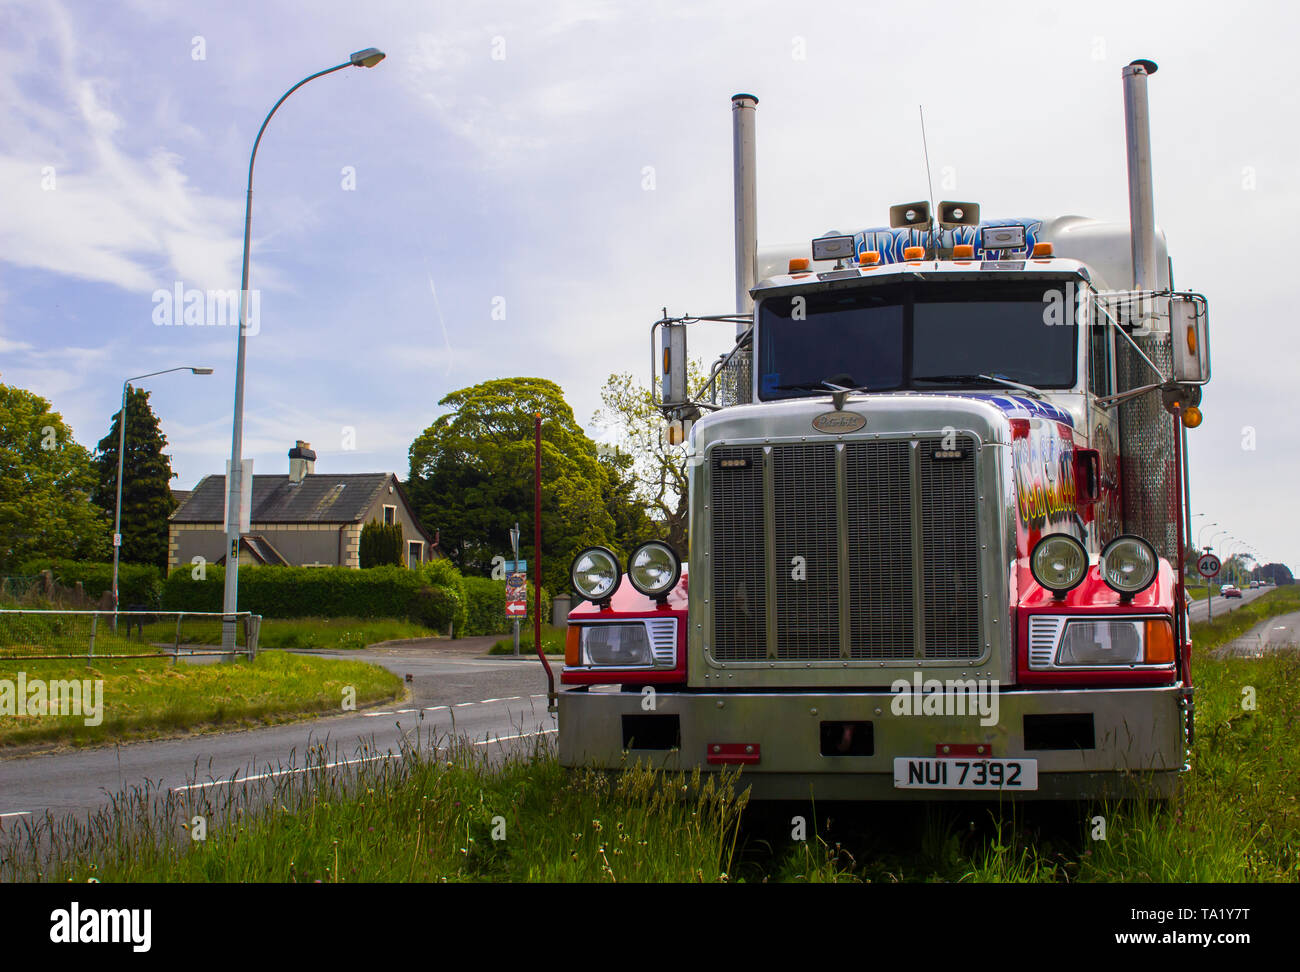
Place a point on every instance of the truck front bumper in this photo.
(1087, 744)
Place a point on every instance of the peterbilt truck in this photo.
(937, 516)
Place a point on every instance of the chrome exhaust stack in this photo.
(1141, 204)
(742, 153)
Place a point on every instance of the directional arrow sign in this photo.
(1208, 565)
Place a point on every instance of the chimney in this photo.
(302, 461)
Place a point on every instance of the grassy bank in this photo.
(146, 697)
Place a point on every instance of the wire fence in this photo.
(42, 634)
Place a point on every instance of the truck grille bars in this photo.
(857, 551)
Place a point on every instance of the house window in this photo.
(414, 554)
(390, 515)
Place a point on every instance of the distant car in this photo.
(1254, 585)
(1230, 591)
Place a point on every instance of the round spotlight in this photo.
(595, 573)
(1128, 565)
(654, 569)
(1059, 563)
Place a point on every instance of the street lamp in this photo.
(1201, 532)
(121, 453)
(366, 58)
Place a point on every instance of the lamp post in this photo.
(1201, 532)
(366, 58)
(121, 454)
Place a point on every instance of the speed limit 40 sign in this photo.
(1208, 565)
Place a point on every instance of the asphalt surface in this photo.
(1224, 605)
(496, 702)
(1269, 635)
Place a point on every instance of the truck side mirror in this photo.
(673, 386)
(1087, 476)
(1189, 324)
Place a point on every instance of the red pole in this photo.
(537, 555)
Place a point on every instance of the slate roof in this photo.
(319, 498)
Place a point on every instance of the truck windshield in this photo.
(925, 335)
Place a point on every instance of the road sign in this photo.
(1208, 565)
(516, 594)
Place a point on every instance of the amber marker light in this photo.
(573, 646)
(1192, 416)
(913, 253)
(1159, 642)
(1042, 250)
(798, 263)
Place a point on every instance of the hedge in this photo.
(136, 583)
(487, 606)
(433, 595)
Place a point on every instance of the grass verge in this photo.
(144, 697)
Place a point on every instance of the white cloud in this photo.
(77, 202)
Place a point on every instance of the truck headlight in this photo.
(595, 573)
(1059, 563)
(1128, 565)
(616, 645)
(1108, 643)
(654, 569)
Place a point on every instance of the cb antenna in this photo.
(929, 181)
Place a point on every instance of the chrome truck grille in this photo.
(862, 551)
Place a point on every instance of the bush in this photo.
(136, 583)
(442, 573)
(487, 606)
(433, 596)
(381, 543)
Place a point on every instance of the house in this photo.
(305, 518)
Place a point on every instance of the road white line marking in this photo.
(16, 813)
(461, 705)
(302, 769)
(540, 732)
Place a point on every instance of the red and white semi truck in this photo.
(936, 516)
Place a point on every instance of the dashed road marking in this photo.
(301, 769)
(16, 813)
(521, 735)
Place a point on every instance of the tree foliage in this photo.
(381, 543)
(471, 475)
(147, 499)
(46, 483)
(656, 470)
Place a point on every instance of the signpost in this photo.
(1208, 566)
(516, 586)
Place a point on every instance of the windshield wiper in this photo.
(1001, 380)
(835, 383)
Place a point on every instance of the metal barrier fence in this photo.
(33, 634)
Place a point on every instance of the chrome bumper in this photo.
(1139, 744)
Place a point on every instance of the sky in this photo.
(518, 189)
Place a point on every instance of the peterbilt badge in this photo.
(838, 423)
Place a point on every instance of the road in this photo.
(1269, 635)
(1223, 605)
(497, 702)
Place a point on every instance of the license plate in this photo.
(919, 773)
